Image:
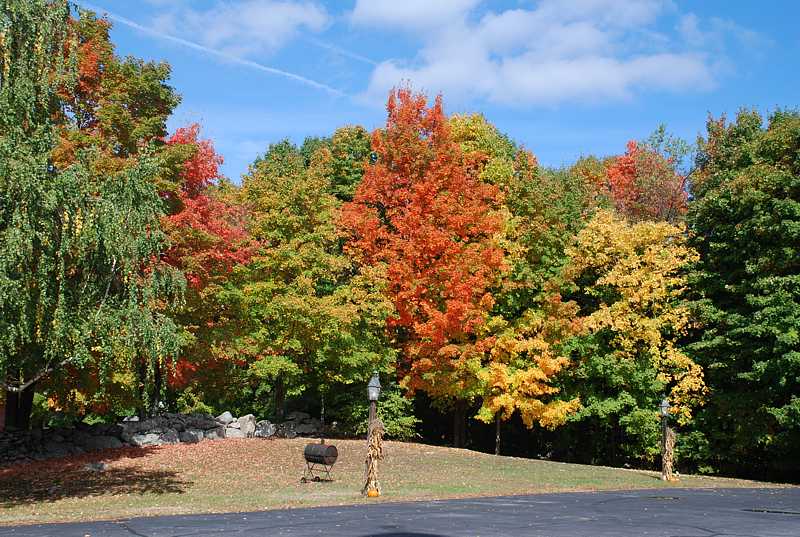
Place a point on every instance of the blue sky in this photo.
(563, 78)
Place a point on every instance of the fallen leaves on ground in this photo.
(255, 474)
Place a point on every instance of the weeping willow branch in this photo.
(19, 388)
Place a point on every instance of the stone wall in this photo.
(168, 428)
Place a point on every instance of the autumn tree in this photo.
(525, 357)
(542, 209)
(423, 213)
(349, 151)
(744, 221)
(645, 183)
(307, 322)
(117, 109)
(72, 286)
(209, 239)
(115, 106)
(630, 283)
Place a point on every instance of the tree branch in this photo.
(22, 387)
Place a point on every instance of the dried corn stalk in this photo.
(374, 454)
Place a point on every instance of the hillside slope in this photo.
(254, 474)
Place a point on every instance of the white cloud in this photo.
(581, 50)
(716, 34)
(244, 28)
(409, 14)
(620, 13)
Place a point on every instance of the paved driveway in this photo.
(653, 513)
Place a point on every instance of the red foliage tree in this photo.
(423, 212)
(209, 237)
(202, 169)
(209, 234)
(644, 185)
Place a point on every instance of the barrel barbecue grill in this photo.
(320, 458)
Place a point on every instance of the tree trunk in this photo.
(280, 398)
(18, 409)
(460, 424)
(157, 387)
(141, 409)
(497, 434)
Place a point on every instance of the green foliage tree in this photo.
(78, 290)
(348, 150)
(745, 222)
(309, 321)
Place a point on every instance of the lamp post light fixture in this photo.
(664, 408)
(373, 393)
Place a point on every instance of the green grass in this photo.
(256, 474)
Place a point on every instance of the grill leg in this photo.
(314, 472)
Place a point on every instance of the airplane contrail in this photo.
(217, 53)
(341, 51)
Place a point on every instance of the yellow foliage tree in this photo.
(632, 276)
(524, 359)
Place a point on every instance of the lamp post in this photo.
(373, 393)
(667, 442)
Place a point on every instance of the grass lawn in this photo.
(255, 474)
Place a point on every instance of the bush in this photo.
(351, 410)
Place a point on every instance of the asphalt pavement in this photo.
(651, 513)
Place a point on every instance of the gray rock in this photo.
(306, 429)
(225, 418)
(81, 438)
(191, 436)
(234, 425)
(101, 442)
(176, 421)
(287, 430)
(56, 449)
(145, 439)
(216, 433)
(315, 422)
(131, 418)
(200, 421)
(247, 424)
(95, 467)
(99, 429)
(265, 429)
(130, 428)
(113, 429)
(155, 438)
(231, 432)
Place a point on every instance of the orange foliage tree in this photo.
(423, 212)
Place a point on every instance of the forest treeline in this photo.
(556, 305)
